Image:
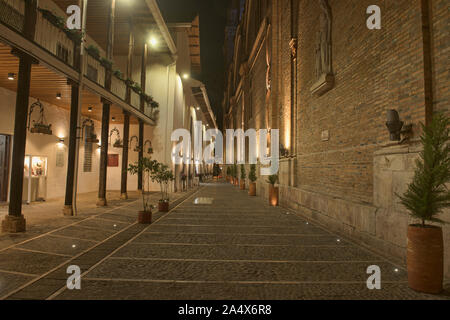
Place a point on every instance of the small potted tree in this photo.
(163, 176)
(216, 172)
(252, 177)
(236, 175)
(147, 167)
(243, 176)
(426, 197)
(273, 191)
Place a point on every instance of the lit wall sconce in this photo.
(11, 76)
(198, 108)
(61, 140)
(89, 109)
(396, 127)
(185, 76)
(113, 119)
(58, 96)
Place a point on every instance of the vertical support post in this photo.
(106, 111)
(15, 222)
(142, 105)
(130, 62)
(103, 156)
(141, 152)
(126, 138)
(68, 203)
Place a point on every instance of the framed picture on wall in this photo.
(113, 160)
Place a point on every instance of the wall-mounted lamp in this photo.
(11, 76)
(185, 76)
(198, 108)
(396, 127)
(58, 96)
(61, 140)
(89, 109)
(113, 119)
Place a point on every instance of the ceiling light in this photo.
(153, 41)
(198, 108)
(58, 96)
(185, 76)
(11, 76)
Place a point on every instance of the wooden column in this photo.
(141, 152)
(126, 122)
(106, 111)
(126, 138)
(15, 221)
(103, 156)
(142, 105)
(68, 203)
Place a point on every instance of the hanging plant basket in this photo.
(136, 88)
(137, 149)
(150, 151)
(52, 18)
(129, 82)
(118, 144)
(92, 139)
(74, 35)
(154, 104)
(42, 129)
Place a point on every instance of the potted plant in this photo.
(252, 177)
(106, 63)
(147, 167)
(426, 197)
(136, 88)
(235, 175)
(243, 176)
(118, 74)
(216, 171)
(93, 51)
(163, 176)
(273, 191)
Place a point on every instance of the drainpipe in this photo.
(80, 95)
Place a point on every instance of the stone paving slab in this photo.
(139, 290)
(58, 245)
(236, 229)
(79, 232)
(242, 252)
(220, 270)
(9, 281)
(218, 238)
(28, 262)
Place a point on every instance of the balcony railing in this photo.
(135, 100)
(52, 35)
(54, 39)
(94, 70)
(118, 87)
(12, 13)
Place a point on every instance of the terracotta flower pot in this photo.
(163, 206)
(425, 258)
(145, 217)
(273, 196)
(252, 189)
(242, 186)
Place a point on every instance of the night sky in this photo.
(213, 15)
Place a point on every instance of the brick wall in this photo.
(375, 70)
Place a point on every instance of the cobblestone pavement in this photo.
(33, 264)
(218, 243)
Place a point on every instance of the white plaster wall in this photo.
(47, 146)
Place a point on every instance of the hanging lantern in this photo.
(39, 126)
(150, 149)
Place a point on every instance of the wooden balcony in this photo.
(118, 88)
